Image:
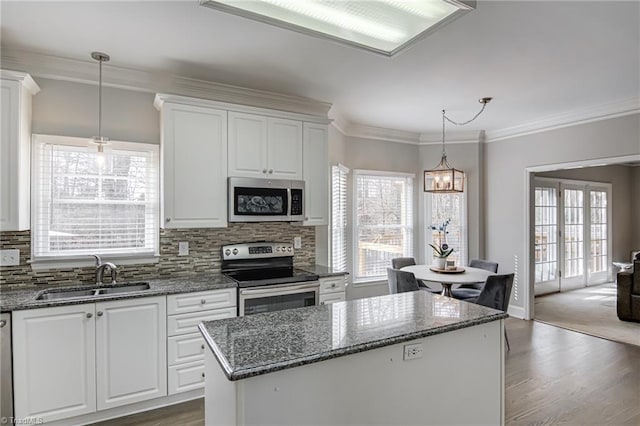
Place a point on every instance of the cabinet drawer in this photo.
(185, 377)
(185, 348)
(332, 284)
(188, 323)
(200, 301)
(332, 297)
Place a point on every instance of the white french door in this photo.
(571, 234)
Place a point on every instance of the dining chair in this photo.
(496, 294)
(469, 291)
(401, 262)
(401, 281)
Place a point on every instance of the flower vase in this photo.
(439, 262)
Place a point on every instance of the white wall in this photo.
(621, 180)
(71, 109)
(507, 196)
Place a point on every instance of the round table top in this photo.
(470, 275)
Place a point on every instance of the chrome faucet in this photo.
(100, 267)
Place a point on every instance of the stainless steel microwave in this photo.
(265, 200)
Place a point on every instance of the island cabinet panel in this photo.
(131, 351)
(264, 147)
(54, 362)
(194, 166)
(316, 174)
(458, 380)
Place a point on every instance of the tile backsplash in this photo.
(204, 254)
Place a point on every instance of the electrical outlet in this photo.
(10, 257)
(183, 248)
(297, 242)
(413, 351)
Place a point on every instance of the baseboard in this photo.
(126, 410)
(516, 311)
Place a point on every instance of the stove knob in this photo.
(277, 248)
(227, 252)
(235, 251)
(288, 248)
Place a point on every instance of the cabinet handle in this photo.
(270, 171)
(203, 301)
(89, 315)
(99, 313)
(168, 219)
(3, 323)
(264, 170)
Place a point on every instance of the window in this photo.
(383, 222)
(90, 203)
(339, 176)
(440, 208)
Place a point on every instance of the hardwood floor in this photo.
(553, 377)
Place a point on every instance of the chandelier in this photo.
(444, 179)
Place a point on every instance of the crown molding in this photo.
(620, 108)
(22, 77)
(471, 136)
(356, 130)
(79, 71)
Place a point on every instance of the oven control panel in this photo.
(256, 250)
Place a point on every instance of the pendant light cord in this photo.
(483, 101)
(100, 103)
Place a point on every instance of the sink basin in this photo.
(76, 293)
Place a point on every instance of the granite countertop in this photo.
(13, 300)
(263, 343)
(323, 271)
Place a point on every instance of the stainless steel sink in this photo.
(76, 293)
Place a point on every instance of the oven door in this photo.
(256, 300)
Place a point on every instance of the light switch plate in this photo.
(183, 248)
(297, 242)
(10, 257)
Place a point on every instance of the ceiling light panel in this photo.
(381, 26)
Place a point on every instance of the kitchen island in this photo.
(409, 358)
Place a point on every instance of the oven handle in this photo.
(279, 289)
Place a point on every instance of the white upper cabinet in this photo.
(264, 147)
(194, 166)
(316, 174)
(15, 149)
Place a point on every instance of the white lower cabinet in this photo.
(333, 289)
(74, 360)
(131, 354)
(186, 346)
(54, 362)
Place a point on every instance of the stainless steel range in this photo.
(267, 280)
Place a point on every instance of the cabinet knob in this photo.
(168, 219)
(264, 170)
(203, 301)
(3, 323)
(306, 218)
(203, 375)
(89, 315)
(270, 171)
(322, 303)
(333, 285)
(202, 346)
(99, 313)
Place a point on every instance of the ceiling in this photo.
(537, 59)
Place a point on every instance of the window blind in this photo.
(339, 175)
(383, 223)
(87, 202)
(438, 209)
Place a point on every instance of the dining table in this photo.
(463, 275)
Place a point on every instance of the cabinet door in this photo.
(131, 351)
(284, 145)
(247, 145)
(54, 362)
(194, 160)
(316, 174)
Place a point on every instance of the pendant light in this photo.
(444, 179)
(100, 140)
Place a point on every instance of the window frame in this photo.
(340, 168)
(363, 281)
(40, 262)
